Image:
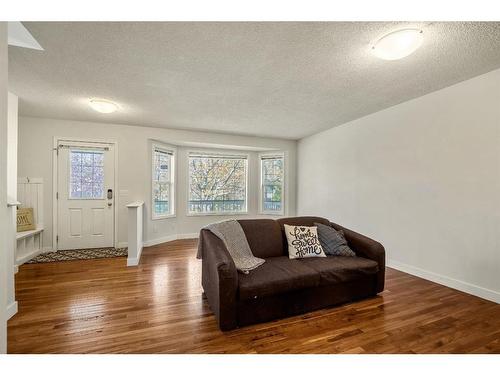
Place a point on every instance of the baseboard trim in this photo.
(160, 240)
(157, 241)
(11, 310)
(478, 291)
(25, 258)
(172, 237)
(187, 236)
(16, 269)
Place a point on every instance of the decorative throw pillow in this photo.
(303, 242)
(333, 241)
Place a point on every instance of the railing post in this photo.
(135, 232)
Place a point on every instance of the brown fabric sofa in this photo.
(281, 286)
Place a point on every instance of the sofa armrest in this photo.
(367, 248)
(219, 280)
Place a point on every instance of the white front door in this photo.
(85, 195)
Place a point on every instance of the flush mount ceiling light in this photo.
(103, 106)
(398, 44)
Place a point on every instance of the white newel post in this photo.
(135, 232)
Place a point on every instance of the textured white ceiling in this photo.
(277, 79)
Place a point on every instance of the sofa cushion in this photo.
(307, 221)
(334, 269)
(264, 237)
(277, 275)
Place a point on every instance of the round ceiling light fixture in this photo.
(103, 106)
(398, 44)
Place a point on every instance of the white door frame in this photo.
(55, 172)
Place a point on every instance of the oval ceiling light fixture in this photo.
(398, 44)
(103, 106)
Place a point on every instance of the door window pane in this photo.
(86, 175)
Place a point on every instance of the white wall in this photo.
(3, 186)
(134, 168)
(422, 177)
(12, 131)
(12, 146)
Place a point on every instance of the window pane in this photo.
(86, 178)
(272, 184)
(161, 182)
(87, 191)
(161, 198)
(161, 167)
(217, 184)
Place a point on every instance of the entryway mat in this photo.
(82, 254)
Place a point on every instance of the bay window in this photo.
(217, 184)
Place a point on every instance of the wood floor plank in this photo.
(102, 306)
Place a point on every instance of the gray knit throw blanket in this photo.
(232, 235)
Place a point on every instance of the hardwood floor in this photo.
(101, 306)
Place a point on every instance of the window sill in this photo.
(163, 217)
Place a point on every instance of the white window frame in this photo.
(162, 147)
(262, 211)
(221, 154)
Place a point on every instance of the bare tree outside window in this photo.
(217, 184)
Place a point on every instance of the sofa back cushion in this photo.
(264, 237)
(306, 221)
